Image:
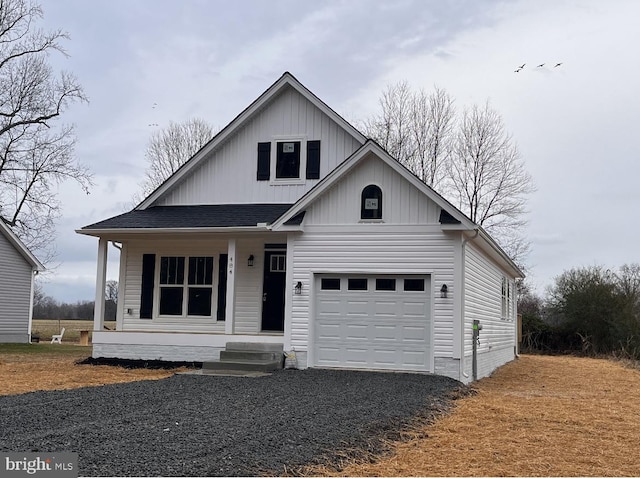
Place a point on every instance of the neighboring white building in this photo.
(18, 267)
(291, 227)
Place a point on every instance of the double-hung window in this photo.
(186, 286)
(507, 304)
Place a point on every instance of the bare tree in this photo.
(415, 128)
(111, 291)
(171, 147)
(36, 152)
(111, 300)
(470, 160)
(487, 178)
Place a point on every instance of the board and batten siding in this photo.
(402, 203)
(248, 292)
(483, 302)
(228, 175)
(15, 293)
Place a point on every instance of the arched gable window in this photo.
(371, 204)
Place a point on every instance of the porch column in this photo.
(231, 286)
(101, 278)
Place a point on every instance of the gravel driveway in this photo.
(190, 425)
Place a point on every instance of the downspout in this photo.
(462, 297)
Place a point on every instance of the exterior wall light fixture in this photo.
(443, 291)
(298, 288)
(250, 261)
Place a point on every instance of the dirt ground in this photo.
(537, 416)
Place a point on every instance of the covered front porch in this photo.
(183, 297)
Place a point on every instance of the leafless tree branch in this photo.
(36, 152)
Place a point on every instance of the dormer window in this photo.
(371, 203)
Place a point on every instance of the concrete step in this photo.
(243, 365)
(254, 347)
(231, 355)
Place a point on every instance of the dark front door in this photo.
(273, 290)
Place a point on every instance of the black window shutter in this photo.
(313, 159)
(264, 161)
(148, 279)
(222, 287)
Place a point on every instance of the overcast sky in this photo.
(577, 125)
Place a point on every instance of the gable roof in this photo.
(14, 240)
(287, 80)
(190, 217)
(451, 218)
(458, 219)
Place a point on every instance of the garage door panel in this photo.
(356, 356)
(413, 334)
(357, 308)
(384, 358)
(329, 331)
(414, 309)
(373, 329)
(356, 331)
(385, 308)
(415, 357)
(385, 332)
(328, 356)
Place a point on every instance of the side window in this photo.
(506, 296)
(371, 203)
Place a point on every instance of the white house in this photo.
(290, 227)
(18, 267)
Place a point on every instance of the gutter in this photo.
(174, 230)
(462, 295)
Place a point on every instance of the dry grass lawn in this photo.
(538, 416)
(45, 328)
(30, 367)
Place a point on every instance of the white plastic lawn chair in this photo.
(57, 338)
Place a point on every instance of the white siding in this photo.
(409, 240)
(15, 293)
(135, 251)
(371, 249)
(228, 176)
(483, 301)
(401, 202)
(248, 305)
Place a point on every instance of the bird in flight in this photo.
(521, 66)
(540, 65)
(557, 65)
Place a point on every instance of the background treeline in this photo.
(590, 310)
(45, 307)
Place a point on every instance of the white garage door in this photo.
(372, 322)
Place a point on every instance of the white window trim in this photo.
(185, 289)
(506, 299)
(303, 159)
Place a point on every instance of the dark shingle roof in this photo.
(219, 215)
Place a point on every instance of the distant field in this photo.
(47, 328)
